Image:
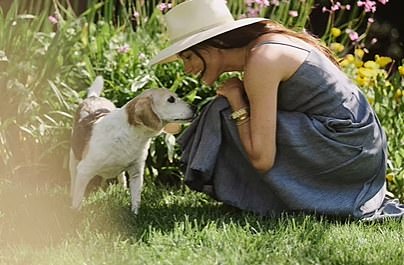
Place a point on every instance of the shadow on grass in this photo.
(35, 215)
(40, 216)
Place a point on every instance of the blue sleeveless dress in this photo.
(331, 149)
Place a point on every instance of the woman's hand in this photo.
(233, 90)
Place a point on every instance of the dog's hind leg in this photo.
(72, 170)
(79, 188)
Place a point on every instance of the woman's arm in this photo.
(266, 68)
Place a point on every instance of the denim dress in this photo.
(330, 149)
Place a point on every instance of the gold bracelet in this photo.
(242, 121)
(238, 113)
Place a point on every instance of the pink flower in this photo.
(353, 35)
(275, 2)
(252, 12)
(54, 19)
(293, 13)
(336, 7)
(123, 49)
(348, 7)
(368, 5)
(383, 2)
(261, 3)
(164, 7)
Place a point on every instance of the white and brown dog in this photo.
(108, 141)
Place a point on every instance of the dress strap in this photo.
(285, 44)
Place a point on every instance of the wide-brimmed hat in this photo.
(195, 21)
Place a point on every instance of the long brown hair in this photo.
(242, 36)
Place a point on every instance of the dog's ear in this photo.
(140, 111)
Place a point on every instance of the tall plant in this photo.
(36, 105)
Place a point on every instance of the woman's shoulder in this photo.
(274, 40)
(280, 53)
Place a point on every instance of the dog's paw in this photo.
(135, 210)
(76, 205)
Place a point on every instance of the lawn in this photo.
(177, 226)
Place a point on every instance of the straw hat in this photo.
(195, 21)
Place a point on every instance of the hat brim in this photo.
(169, 54)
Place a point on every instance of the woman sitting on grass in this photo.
(295, 134)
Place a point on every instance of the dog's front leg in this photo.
(135, 184)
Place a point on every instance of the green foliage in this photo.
(37, 102)
(389, 106)
(292, 14)
(384, 92)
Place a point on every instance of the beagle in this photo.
(108, 141)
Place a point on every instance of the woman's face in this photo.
(204, 61)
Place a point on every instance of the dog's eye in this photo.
(171, 99)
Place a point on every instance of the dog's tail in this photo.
(96, 87)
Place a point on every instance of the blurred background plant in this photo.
(51, 50)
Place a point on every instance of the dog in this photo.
(108, 141)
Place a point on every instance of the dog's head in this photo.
(155, 108)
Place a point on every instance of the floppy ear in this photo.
(140, 111)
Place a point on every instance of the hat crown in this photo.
(195, 16)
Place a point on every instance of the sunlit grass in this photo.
(177, 226)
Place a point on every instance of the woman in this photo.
(294, 135)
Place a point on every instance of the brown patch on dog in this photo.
(85, 151)
(131, 110)
(140, 111)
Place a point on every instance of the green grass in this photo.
(177, 226)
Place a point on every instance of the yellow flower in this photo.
(390, 177)
(335, 32)
(382, 60)
(364, 72)
(401, 70)
(368, 72)
(398, 94)
(336, 47)
(350, 58)
(358, 62)
(359, 53)
(362, 81)
(371, 65)
(371, 100)
(344, 63)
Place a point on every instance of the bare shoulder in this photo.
(280, 56)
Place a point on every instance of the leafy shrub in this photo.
(37, 102)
